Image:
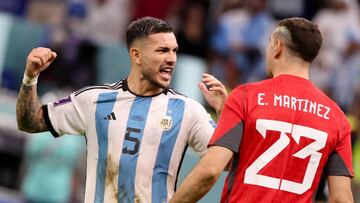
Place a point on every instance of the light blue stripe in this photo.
(168, 139)
(105, 105)
(128, 161)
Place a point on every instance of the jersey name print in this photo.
(295, 104)
(135, 144)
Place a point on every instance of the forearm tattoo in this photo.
(29, 113)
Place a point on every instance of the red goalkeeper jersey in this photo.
(284, 132)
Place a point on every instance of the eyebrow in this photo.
(167, 48)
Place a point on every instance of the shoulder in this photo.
(335, 111)
(339, 114)
(190, 103)
(331, 103)
(173, 93)
(251, 87)
(91, 90)
(90, 94)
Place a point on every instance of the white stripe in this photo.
(92, 158)
(148, 150)
(115, 142)
(176, 156)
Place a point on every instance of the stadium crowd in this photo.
(226, 38)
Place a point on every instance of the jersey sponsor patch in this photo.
(62, 101)
(165, 123)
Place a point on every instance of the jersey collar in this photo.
(125, 87)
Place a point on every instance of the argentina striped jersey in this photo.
(135, 144)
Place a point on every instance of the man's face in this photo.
(158, 58)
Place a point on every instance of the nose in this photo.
(171, 59)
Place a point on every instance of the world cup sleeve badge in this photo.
(165, 123)
(62, 101)
(212, 123)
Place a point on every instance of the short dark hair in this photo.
(144, 27)
(304, 37)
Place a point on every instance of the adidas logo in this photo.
(110, 116)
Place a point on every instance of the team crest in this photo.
(165, 123)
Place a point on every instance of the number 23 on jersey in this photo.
(252, 175)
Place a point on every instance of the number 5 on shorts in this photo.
(297, 131)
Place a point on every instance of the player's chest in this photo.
(142, 120)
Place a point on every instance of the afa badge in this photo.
(165, 123)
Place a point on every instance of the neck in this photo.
(295, 71)
(294, 67)
(141, 86)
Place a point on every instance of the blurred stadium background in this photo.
(224, 37)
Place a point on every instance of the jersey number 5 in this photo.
(252, 175)
(135, 140)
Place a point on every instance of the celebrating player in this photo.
(137, 129)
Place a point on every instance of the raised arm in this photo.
(214, 91)
(29, 114)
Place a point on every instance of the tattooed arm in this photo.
(29, 113)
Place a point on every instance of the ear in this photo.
(135, 55)
(278, 48)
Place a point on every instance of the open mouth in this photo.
(166, 73)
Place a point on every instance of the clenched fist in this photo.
(38, 60)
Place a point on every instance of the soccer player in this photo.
(278, 135)
(137, 129)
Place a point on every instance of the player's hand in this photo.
(214, 91)
(38, 60)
